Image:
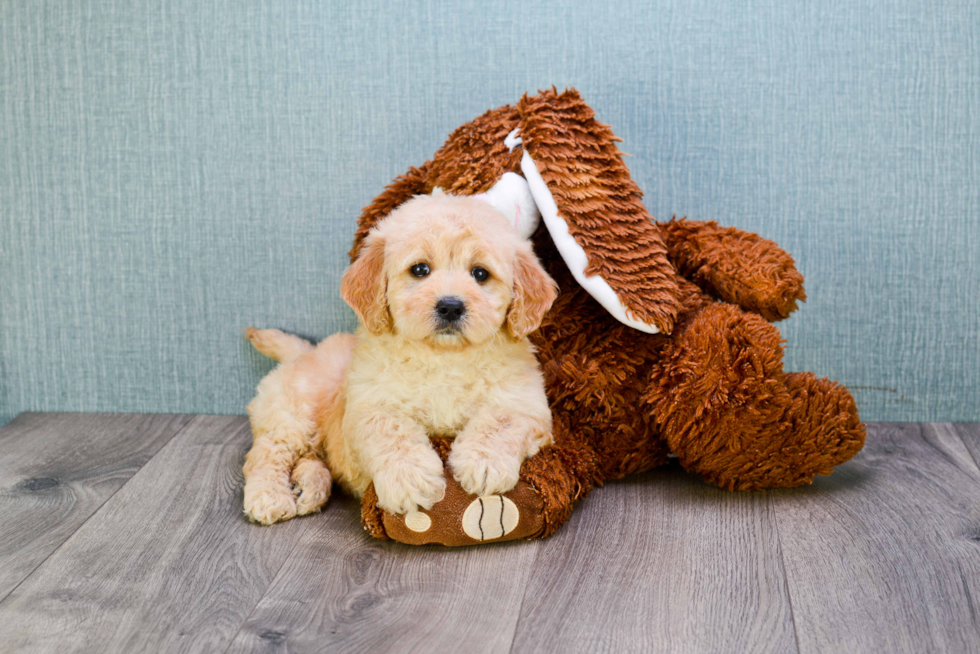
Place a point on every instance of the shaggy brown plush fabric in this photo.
(709, 388)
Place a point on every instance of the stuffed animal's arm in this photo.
(736, 266)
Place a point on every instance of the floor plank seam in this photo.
(970, 604)
(527, 586)
(959, 434)
(782, 564)
(93, 514)
(271, 583)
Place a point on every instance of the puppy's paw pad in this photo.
(270, 504)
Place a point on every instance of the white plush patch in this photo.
(573, 254)
(513, 140)
(418, 521)
(490, 517)
(512, 197)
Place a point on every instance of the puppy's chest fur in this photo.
(441, 390)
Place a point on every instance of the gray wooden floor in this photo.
(124, 533)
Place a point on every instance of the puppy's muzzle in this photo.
(450, 310)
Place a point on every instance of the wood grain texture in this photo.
(969, 433)
(884, 555)
(56, 470)
(168, 564)
(660, 562)
(345, 592)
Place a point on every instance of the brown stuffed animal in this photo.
(660, 341)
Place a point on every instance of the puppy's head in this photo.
(449, 271)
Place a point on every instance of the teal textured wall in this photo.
(172, 171)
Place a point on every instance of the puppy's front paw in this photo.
(404, 486)
(483, 473)
(268, 502)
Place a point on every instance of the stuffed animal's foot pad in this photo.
(490, 517)
(486, 518)
(418, 521)
(464, 519)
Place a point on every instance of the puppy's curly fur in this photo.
(361, 408)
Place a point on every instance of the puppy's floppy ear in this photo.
(534, 293)
(364, 286)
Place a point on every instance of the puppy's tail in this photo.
(277, 345)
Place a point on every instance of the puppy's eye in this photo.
(419, 270)
(480, 274)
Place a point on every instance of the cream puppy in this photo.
(446, 293)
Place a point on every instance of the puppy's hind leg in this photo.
(283, 430)
(295, 404)
(311, 481)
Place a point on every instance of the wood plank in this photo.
(884, 555)
(342, 591)
(57, 469)
(660, 562)
(969, 433)
(168, 564)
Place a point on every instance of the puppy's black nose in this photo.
(450, 308)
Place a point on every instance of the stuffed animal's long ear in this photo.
(594, 212)
(364, 286)
(534, 293)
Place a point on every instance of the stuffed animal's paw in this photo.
(405, 485)
(460, 518)
(483, 473)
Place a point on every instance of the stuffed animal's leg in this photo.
(738, 267)
(540, 503)
(730, 413)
